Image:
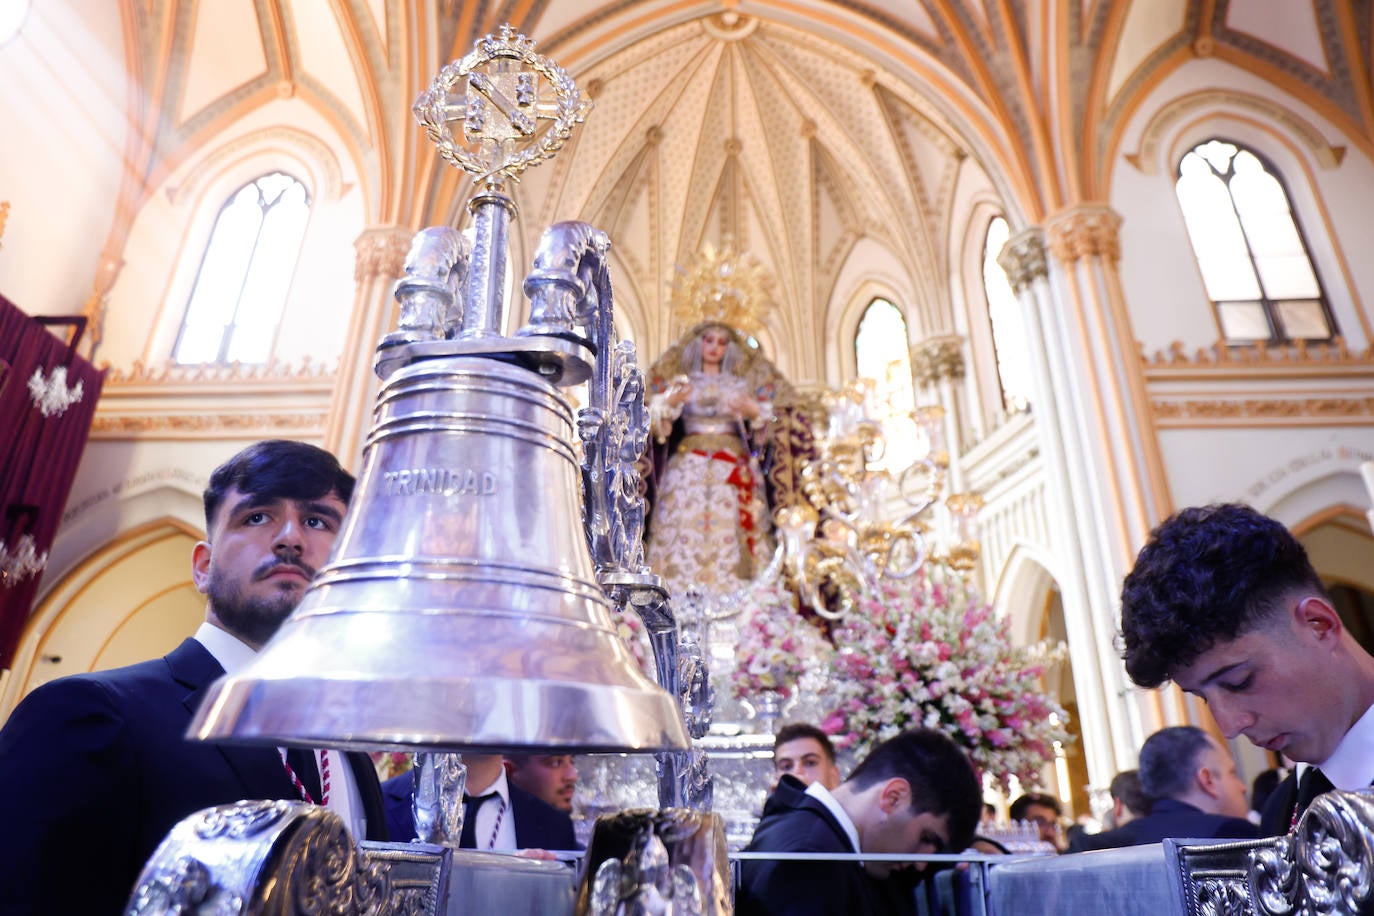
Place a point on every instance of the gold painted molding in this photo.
(1264, 411)
(1023, 258)
(202, 426)
(183, 402)
(1298, 360)
(937, 358)
(1084, 232)
(170, 375)
(1222, 102)
(381, 253)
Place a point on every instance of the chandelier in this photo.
(858, 523)
(20, 557)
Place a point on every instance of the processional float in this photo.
(462, 607)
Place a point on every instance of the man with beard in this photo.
(96, 768)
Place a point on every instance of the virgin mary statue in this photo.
(711, 399)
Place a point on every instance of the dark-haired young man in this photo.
(1044, 811)
(807, 753)
(96, 767)
(1224, 602)
(916, 793)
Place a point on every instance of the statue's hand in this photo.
(679, 391)
(743, 405)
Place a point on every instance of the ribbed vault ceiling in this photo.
(827, 139)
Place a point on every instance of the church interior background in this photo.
(1119, 242)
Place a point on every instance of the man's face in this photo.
(1230, 798)
(805, 759)
(260, 558)
(905, 831)
(1273, 685)
(1045, 820)
(551, 777)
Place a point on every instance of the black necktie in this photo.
(302, 762)
(468, 838)
(1312, 784)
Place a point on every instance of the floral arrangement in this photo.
(776, 644)
(391, 763)
(924, 653)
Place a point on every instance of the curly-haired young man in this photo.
(1224, 602)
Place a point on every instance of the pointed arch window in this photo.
(245, 274)
(1249, 247)
(882, 355)
(1008, 329)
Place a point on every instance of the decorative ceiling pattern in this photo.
(800, 130)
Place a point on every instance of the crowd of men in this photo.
(1222, 601)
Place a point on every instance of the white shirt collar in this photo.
(232, 654)
(500, 787)
(1351, 764)
(820, 794)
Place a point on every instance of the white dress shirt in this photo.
(486, 820)
(1351, 764)
(822, 795)
(344, 798)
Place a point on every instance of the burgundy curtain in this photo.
(38, 454)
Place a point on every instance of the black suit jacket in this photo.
(1169, 817)
(795, 822)
(538, 825)
(1277, 816)
(95, 769)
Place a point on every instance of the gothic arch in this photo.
(131, 600)
(1022, 592)
(1305, 162)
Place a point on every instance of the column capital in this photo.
(1087, 230)
(937, 358)
(381, 252)
(1023, 258)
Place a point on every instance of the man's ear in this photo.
(895, 795)
(1316, 616)
(200, 566)
(1207, 781)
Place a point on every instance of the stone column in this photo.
(380, 261)
(937, 364)
(1080, 410)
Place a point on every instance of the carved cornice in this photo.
(1084, 232)
(1023, 258)
(1298, 360)
(171, 375)
(1265, 411)
(200, 426)
(184, 402)
(381, 253)
(937, 358)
